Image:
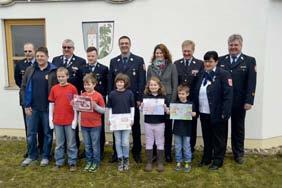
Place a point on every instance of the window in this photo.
(17, 33)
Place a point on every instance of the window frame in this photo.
(8, 23)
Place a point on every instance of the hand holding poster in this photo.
(153, 106)
(120, 122)
(82, 103)
(180, 111)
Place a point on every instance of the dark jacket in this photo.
(189, 75)
(134, 69)
(101, 73)
(26, 87)
(169, 79)
(244, 76)
(75, 69)
(219, 93)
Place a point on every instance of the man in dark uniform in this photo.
(101, 73)
(189, 68)
(74, 65)
(243, 72)
(133, 66)
(21, 66)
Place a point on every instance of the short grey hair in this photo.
(235, 37)
(68, 41)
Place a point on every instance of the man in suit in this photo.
(133, 66)
(74, 65)
(101, 73)
(243, 71)
(189, 68)
(21, 66)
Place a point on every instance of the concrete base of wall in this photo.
(249, 143)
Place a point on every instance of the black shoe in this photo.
(25, 155)
(239, 160)
(168, 158)
(214, 167)
(204, 163)
(113, 159)
(137, 158)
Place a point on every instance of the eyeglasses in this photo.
(27, 51)
(67, 47)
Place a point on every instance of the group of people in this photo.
(217, 87)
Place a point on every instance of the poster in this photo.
(180, 111)
(153, 106)
(120, 122)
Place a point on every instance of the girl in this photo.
(121, 101)
(91, 123)
(154, 124)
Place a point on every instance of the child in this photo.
(154, 125)
(64, 119)
(121, 101)
(182, 133)
(91, 123)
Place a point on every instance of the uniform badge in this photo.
(46, 77)
(194, 72)
(222, 65)
(131, 59)
(230, 82)
(134, 73)
(100, 83)
(75, 68)
(118, 60)
(243, 67)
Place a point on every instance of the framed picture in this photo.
(82, 103)
(180, 111)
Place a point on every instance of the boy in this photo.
(63, 119)
(182, 132)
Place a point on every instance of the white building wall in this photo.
(149, 22)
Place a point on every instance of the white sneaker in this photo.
(26, 162)
(44, 162)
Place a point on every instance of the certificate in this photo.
(82, 103)
(153, 106)
(180, 111)
(120, 122)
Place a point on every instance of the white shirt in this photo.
(203, 99)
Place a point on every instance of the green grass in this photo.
(258, 171)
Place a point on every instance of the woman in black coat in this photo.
(214, 99)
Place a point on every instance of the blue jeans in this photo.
(91, 138)
(39, 118)
(65, 133)
(182, 144)
(122, 143)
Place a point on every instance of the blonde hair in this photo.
(161, 90)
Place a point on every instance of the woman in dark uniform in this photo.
(214, 99)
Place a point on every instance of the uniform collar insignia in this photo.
(131, 59)
(194, 62)
(181, 61)
(118, 59)
(242, 57)
(226, 57)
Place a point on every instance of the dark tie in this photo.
(187, 63)
(124, 60)
(208, 77)
(233, 59)
(29, 63)
(66, 62)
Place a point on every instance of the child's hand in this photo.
(166, 109)
(94, 104)
(71, 102)
(108, 123)
(194, 114)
